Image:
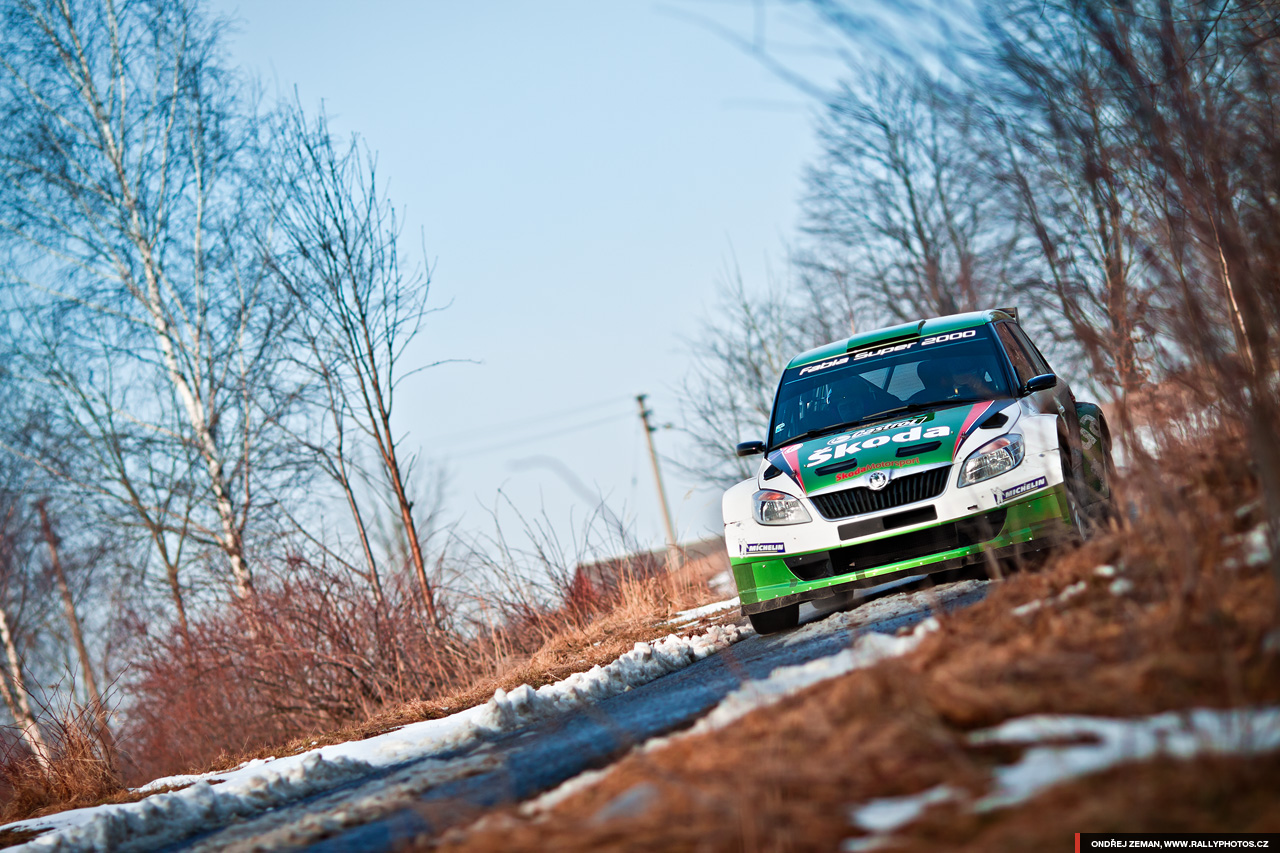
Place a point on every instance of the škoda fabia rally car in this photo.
(914, 449)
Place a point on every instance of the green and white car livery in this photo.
(908, 450)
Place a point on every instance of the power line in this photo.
(527, 439)
(507, 428)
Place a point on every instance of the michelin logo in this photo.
(1009, 494)
(767, 548)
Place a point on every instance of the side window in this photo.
(1037, 359)
(1022, 364)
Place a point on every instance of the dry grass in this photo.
(81, 769)
(14, 837)
(1190, 632)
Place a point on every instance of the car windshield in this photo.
(932, 371)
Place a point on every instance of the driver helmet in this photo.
(952, 377)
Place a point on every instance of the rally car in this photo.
(909, 450)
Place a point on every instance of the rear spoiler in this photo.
(1012, 312)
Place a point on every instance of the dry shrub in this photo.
(81, 769)
(312, 660)
(310, 652)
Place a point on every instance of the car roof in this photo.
(902, 332)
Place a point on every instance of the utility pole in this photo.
(673, 551)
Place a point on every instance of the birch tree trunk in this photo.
(73, 619)
(16, 697)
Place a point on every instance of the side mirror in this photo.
(1043, 382)
(750, 448)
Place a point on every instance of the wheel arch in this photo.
(1096, 443)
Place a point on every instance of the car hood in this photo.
(921, 440)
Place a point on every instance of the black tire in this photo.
(1106, 511)
(1097, 490)
(1078, 518)
(773, 621)
(1103, 511)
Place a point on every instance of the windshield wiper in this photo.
(813, 433)
(913, 407)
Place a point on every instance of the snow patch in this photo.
(644, 663)
(303, 823)
(869, 650)
(723, 583)
(1240, 731)
(167, 818)
(1029, 607)
(706, 610)
(1254, 548)
(887, 814)
(566, 789)
(1066, 595)
(1072, 591)
(1121, 586)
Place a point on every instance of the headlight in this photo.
(778, 508)
(992, 459)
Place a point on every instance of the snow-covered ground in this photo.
(214, 799)
(693, 615)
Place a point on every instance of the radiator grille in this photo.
(900, 491)
(894, 549)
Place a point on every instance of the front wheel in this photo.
(1077, 518)
(773, 621)
(1098, 471)
(1103, 510)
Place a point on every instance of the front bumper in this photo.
(1022, 524)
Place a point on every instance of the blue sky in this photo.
(582, 172)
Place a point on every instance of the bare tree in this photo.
(1197, 83)
(1055, 143)
(139, 482)
(901, 212)
(14, 688)
(905, 221)
(126, 194)
(745, 345)
(97, 707)
(358, 311)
